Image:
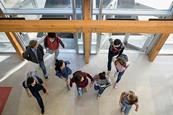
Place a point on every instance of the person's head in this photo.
(117, 43)
(59, 64)
(52, 35)
(102, 75)
(121, 62)
(31, 81)
(33, 43)
(78, 76)
(131, 96)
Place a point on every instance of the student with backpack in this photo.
(121, 64)
(51, 43)
(116, 48)
(127, 100)
(34, 53)
(101, 82)
(81, 79)
(33, 84)
(63, 71)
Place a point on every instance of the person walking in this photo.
(34, 53)
(33, 84)
(63, 71)
(116, 48)
(127, 100)
(101, 82)
(121, 64)
(51, 43)
(81, 79)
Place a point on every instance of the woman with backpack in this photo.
(63, 71)
(127, 99)
(51, 43)
(101, 82)
(120, 66)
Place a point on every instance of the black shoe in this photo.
(46, 77)
(42, 111)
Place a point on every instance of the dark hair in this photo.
(58, 65)
(52, 35)
(102, 75)
(30, 80)
(78, 75)
(117, 42)
(33, 43)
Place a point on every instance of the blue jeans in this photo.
(125, 108)
(43, 68)
(80, 91)
(109, 65)
(120, 74)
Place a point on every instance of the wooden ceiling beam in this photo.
(86, 26)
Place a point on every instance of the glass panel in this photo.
(67, 38)
(24, 3)
(138, 40)
(80, 43)
(58, 4)
(105, 39)
(93, 43)
(136, 4)
(5, 44)
(168, 46)
(37, 3)
(30, 17)
(78, 3)
(147, 17)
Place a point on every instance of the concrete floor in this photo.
(152, 82)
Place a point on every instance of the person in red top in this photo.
(51, 43)
(81, 79)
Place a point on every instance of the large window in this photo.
(5, 44)
(168, 46)
(134, 4)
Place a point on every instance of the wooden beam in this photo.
(87, 10)
(12, 37)
(154, 52)
(87, 34)
(108, 26)
(87, 46)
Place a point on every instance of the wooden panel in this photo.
(87, 10)
(87, 46)
(154, 52)
(86, 26)
(19, 50)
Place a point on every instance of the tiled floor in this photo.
(152, 82)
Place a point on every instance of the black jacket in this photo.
(30, 55)
(118, 51)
